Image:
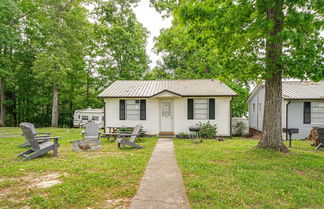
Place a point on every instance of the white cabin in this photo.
(302, 107)
(82, 117)
(168, 106)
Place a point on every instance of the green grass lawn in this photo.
(231, 175)
(97, 179)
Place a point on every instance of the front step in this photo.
(167, 134)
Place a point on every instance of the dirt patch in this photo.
(29, 182)
(299, 172)
(118, 203)
(44, 181)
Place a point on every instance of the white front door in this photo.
(166, 112)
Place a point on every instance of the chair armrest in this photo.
(54, 137)
(41, 136)
(48, 133)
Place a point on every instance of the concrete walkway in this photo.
(162, 185)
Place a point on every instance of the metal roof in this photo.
(302, 90)
(150, 88)
(298, 90)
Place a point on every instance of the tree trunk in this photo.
(55, 106)
(272, 122)
(2, 106)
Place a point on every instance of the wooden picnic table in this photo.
(113, 131)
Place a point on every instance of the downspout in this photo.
(231, 116)
(104, 115)
(287, 117)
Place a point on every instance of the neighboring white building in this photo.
(302, 106)
(168, 106)
(82, 117)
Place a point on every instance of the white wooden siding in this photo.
(222, 116)
(296, 120)
(181, 123)
(256, 118)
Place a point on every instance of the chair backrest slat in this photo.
(136, 131)
(32, 126)
(92, 129)
(29, 135)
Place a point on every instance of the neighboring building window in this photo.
(78, 116)
(317, 110)
(84, 117)
(132, 109)
(95, 118)
(200, 108)
(307, 112)
(253, 107)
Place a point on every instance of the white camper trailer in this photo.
(82, 117)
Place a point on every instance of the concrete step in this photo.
(166, 136)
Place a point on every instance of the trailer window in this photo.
(95, 118)
(84, 117)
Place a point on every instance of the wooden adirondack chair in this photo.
(321, 138)
(37, 149)
(121, 138)
(91, 131)
(40, 136)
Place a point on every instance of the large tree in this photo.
(262, 40)
(65, 29)
(9, 39)
(121, 41)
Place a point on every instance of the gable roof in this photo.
(184, 88)
(297, 90)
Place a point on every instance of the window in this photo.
(79, 117)
(132, 109)
(103, 118)
(95, 118)
(307, 112)
(200, 108)
(317, 112)
(253, 107)
(84, 117)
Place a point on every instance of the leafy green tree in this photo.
(121, 41)
(195, 63)
(65, 28)
(9, 39)
(262, 40)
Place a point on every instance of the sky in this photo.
(153, 22)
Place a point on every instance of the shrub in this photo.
(182, 135)
(239, 128)
(208, 131)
